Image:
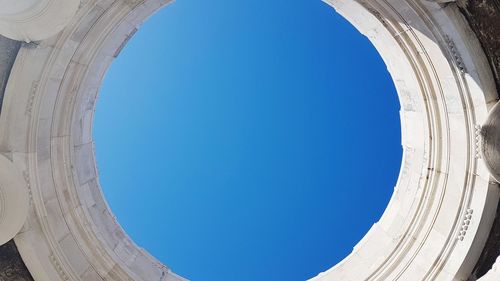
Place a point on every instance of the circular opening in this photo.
(236, 139)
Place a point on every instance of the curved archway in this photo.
(243, 129)
(433, 229)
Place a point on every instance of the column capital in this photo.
(35, 20)
(14, 200)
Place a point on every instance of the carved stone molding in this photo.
(434, 228)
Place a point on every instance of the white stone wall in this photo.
(46, 123)
(440, 214)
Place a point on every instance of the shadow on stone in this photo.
(12, 267)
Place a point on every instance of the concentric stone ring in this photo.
(440, 214)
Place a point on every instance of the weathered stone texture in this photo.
(484, 19)
(8, 52)
(490, 252)
(12, 267)
(73, 64)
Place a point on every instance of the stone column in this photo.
(34, 20)
(490, 134)
(13, 200)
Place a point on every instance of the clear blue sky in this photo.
(248, 140)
